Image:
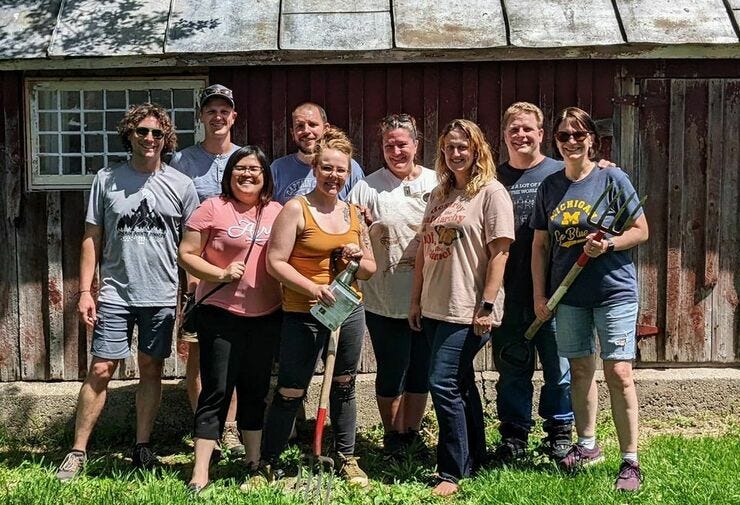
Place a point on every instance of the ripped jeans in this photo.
(303, 339)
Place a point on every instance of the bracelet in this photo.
(82, 291)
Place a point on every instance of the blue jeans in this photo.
(461, 447)
(514, 388)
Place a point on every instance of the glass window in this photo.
(73, 124)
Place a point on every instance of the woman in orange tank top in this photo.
(304, 235)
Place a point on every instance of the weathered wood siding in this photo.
(685, 135)
(689, 131)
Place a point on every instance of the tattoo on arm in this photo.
(346, 214)
(364, 232)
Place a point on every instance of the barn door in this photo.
(687, 161)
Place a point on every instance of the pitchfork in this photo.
(615, 228)
(318, 484)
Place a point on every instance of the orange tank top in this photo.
(311, 253)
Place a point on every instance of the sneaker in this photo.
(230, 440)
(630, 477)
(73, 463)
(413, 442)
(510, 450)
(578, 456)
(351, 471)
(394, 444)
(143, 457)
(558, 441)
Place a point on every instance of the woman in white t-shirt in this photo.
(392, 200)
(465, 236)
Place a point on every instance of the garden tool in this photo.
(607, 204)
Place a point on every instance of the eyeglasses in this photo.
(157, 134)
(578, 136)
(251, 169)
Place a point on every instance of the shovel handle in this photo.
(331, 356)
(559, 293)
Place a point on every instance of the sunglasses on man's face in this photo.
(157, 134)
(578, 136)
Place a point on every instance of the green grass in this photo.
(678, 470)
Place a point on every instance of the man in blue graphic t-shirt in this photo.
(292, 174)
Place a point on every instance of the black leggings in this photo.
(235, 351)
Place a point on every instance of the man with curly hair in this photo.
(134, 221)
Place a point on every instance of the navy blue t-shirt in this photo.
(562, 208)
(522, 186)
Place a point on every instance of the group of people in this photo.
(448, 259)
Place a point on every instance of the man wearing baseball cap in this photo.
(204, 163)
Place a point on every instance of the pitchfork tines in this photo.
(614, 206)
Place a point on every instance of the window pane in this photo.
(115, 99)
(93, 121)
(48, 121)
(114, 144)
(94, 144)
(135, 97)
(70, 100)
(93, 164)
(161, 97)
(183, 98)
(112, 119)
(72, 165)
(184, 140)
(47, 99)
(70, 122)
(184, 120)
(49, 143)
(71, 144)
(49, 165)
(93, 100)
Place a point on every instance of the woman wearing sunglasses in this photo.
(393, 200)
(603, 297)
(465, 235)
(238, 324)
(307, 231)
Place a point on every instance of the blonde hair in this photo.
(524, 108)
(333, 138)
(483, 170)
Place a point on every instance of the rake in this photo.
(621, 221)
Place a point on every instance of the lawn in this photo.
(682, 463)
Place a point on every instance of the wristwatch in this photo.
(609, 245)
(486, 305)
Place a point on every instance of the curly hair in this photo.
(136, 114)
(333, 138)
(483, 170)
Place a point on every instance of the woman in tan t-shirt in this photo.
(306, 232)
(457, 294)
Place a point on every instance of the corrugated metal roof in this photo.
(190, 31)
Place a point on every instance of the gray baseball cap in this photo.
(216, 91)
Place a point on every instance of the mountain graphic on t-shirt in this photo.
(141, 222)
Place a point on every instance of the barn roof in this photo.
(102, 33)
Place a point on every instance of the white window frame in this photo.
(36, 181)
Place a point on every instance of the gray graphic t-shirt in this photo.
(142, 216)
(205, 169)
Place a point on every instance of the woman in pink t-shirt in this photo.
(464, 242)
(238, 325)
